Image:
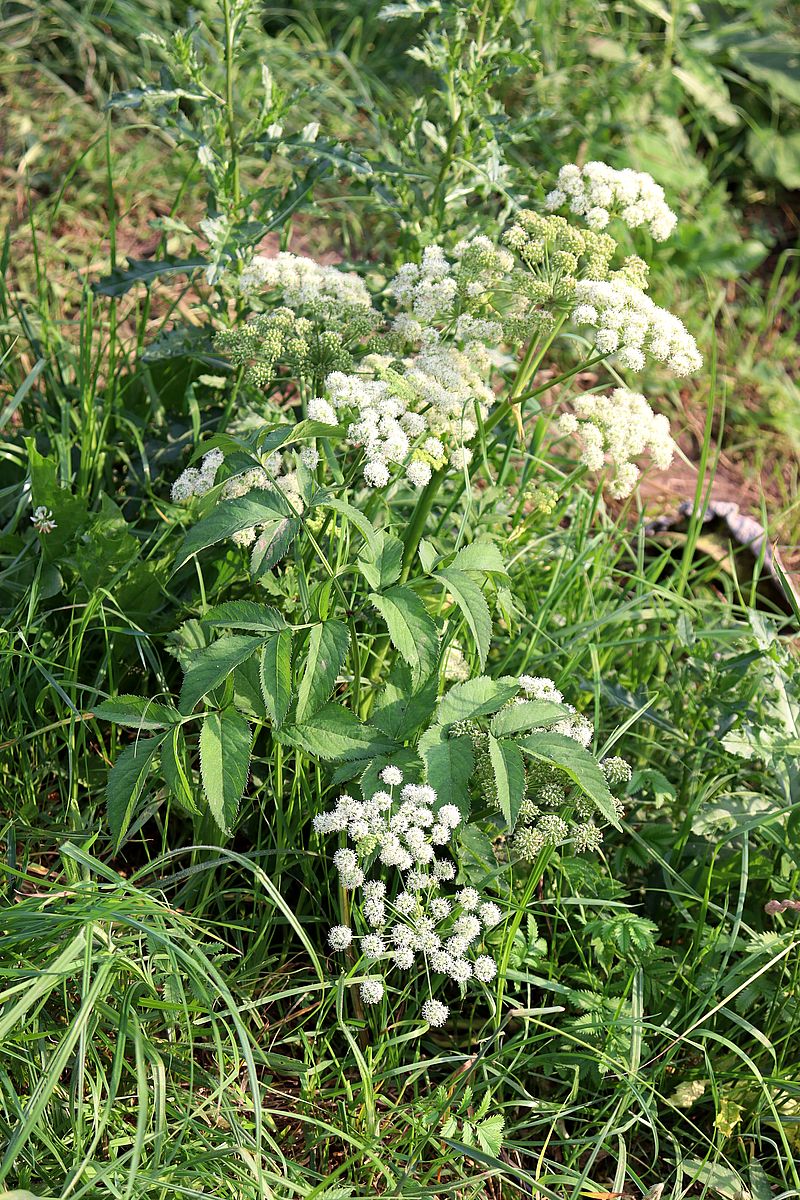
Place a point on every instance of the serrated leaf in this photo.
(126, 782)
(272, 544)
(336, 733)
(211, 666)
(351, 514)
(490, 1134)
(136, 712)
(276, 675)
(581, 767)
(481, 555)
(327, 649)
(411, 628)
(472, 602)
(245, 614)
(399, 710)
(382, 564)
(229, 517)
(476, 698)
(173, 755)
(509, 776)
(225, 743)
(527, 715)
(144, 270)
(449, 763)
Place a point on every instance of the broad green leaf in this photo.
(382, 564)
(173, 758)
(276, 675)
(707, 87)
(399, 710)
(477, 857)
(412, 631)
(509, 776)
(336, 733)
(481, 555)
(225, 743)
(245, 614)
(70, 512)
(490, 1134)
(229, 517)
(528, 714)
(272, 544)
(449, 763)
(137, 712)
(126, 782)
(581, 767)
(212, 666)
(472, 602)
(351, 514)
(476, 698)
(144, 270)
(327, 650)
(774, 61)
(775, 155)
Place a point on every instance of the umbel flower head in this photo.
(405, 920)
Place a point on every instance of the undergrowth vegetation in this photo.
(396, 797)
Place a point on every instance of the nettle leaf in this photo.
(581, 767)
(272, 544)
(328, 644)
(481, 555)
(399, 710)
(472, 602)
(229, 517)
(476, 698)
(225, 744)
(137, 712)
(382, 563)
(449, 763)
(213, 665)
(245, 614)
(335, 732)
(412, 631)
(173, 758)
(509, 776)
(276, 675)
(126, 782)
(527, 715)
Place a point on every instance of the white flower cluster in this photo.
(43, 519)
(620, 426)
(419, 924)
(597, 191)
(575, 726)
(629, 323)
(427, 291)
(303, 282)
(196, 481)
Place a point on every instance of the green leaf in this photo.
(472, 602)
(412, 631)
(225, 743)
(245, 614)
(449, 763)
(775, 155)
(509, 775)
(271, 545)
(327, 649)
(707, 87)
(481, 555)
(126, 782)
(336, 733)
(144, 270)
(137, 712)
(772, 60)
(581, 767)
(490, 1134)
(276, 675)
(173, 757)
(229, 517)
(212, 666)
(476, 698)
(527, 715)
(362, 523)
(399, 710)
(382, 564)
